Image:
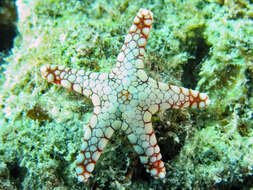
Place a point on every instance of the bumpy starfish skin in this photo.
(126, 98)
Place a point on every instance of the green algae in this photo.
(205, 45)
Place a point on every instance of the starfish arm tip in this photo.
(135, 41)
(204, 100)
(145, 144)
(96, 136)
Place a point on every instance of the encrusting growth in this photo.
(126, 98)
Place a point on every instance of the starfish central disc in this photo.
(124, 97)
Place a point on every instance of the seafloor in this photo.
(205, 45)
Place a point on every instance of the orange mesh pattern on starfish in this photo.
(126, 98)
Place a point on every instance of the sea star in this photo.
(126, 98)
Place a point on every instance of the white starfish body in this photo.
(126, 98)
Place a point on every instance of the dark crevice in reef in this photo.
(8, 18)
(17, 174)
(7, 35)
(199, 51)
(166, 138)
(245, 183)
(140, 173)
(249, 83)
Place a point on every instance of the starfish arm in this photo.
(133, 50)
(96, 136)
(86, 83)
(170, 96)
(142, 137)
